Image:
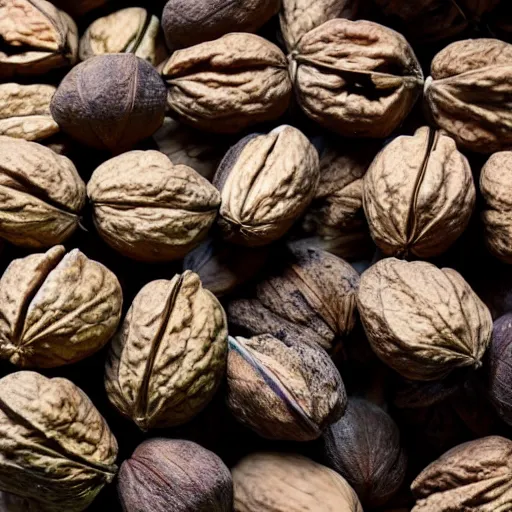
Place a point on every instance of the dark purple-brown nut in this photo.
(364, 447)
(110, 102)
(283, 391)
(164, 475)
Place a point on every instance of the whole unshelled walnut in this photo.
(228, 84)
(290, 483)
(149, 209)
(169, 356)
(357, 78)
(465, 93)
(110, 101)
(474, 477)
(422, 321)
(283, 391)
(56, 308)
(41, 194)
(418, 195)
(56, 448)
(171, 474)
(36, 38)
(266, 182)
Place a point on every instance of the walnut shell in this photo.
(228, 84)
(56, 308)
(149, 209)
(56, 447)
(422, 321)
(465, 93)
(290, 483)
(266, 182)
(357, 78)
(169, 356)
(418, 195)
(41, 194)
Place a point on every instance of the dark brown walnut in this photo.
(110, 102)
(177, 475)
(357, 78)
(132, 30)
(36, 38)
(290, 392)
(364, 447)
(56, 447)
(474, 476)
(308, 296)
(418, 195)
(169, 356)
(187, 22)
(149, 209)
(421, 320)
(290, 483)
(266, 182)
(228, 84)
(41, 194)
(56, 308)
(465, 93)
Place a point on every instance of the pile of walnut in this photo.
(256, 256)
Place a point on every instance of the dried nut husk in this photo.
(169, 356)
(266, 182)
(149, 209)
(56, 447)
(474, 477)
(308, 296)
(465, 93)
(56, 308)
(41, 194)
(496, 188)
(132, 30)
(364, 447)
(37, 37)
(421, 320)
(357, 78)
(228, 84)
(110, 101)
(177, 475)
(290, 392)
(418, 195)
(284, 482)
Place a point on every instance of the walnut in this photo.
(418, 195)
(357, 78)
(465, 93)
(169, 355)
(266, 182)
(56, 447)
(228, 84)
(56, 308)
(422, 321)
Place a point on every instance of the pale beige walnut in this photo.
(418, 195)
(41, 194)
(266, 182)
(422, 321)
(290, 483)
(132, 30)
(473, 477)
(357, 78)
(56, 308)
(56, 447)
(37, 37)
(149, 209)
(169, 355)
(466, 93)
(228, 84)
